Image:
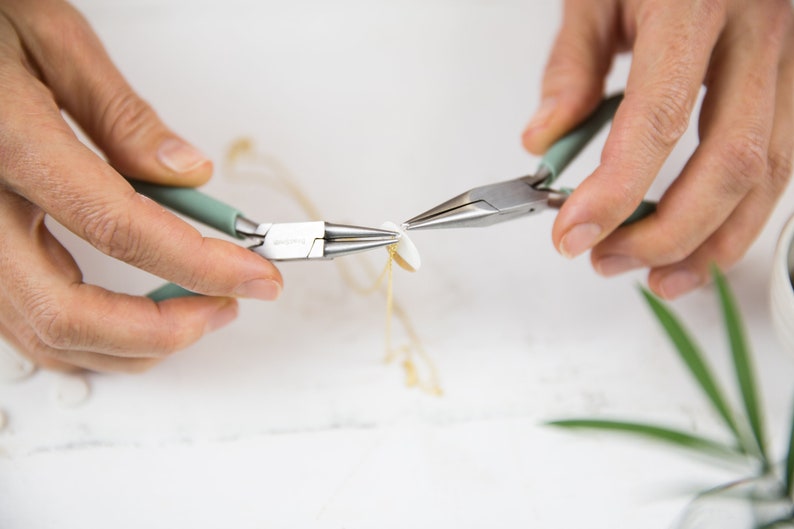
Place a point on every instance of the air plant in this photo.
(769, 492)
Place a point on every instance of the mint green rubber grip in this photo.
(569, 146)
(645, 208)
(194, 204)
(169, 291)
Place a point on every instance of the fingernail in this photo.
(678, 283)
(264, 289)
(612, 265)
(542, 115)
(222, 317)
(579, 239)
(179, 156)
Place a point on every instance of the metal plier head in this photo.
(290, 241)
(486, 205)
(489, 204)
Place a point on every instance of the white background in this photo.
(289, 417)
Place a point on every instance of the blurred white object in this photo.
(13, 366)
(781, 288)
(71, 390)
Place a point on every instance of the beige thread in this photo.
(243, 162)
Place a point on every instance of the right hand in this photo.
(50, 60)
(742, 51)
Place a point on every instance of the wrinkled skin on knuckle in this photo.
(126, 115)
(779, 169)
(743, 159)
(51, 322)
(666, 116)
(112, 233)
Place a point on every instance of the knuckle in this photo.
(52, 326)
(779, 168)
(113, 234)
(744, 158)
(667, 115)
(126, 115)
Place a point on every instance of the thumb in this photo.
(90, 88)
(573, 81)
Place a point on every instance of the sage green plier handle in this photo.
(564, 150)
(193, 203)
(198, 206)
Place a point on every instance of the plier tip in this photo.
(319, 240)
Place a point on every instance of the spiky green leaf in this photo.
(745, 374)
(789, 477)
(693, 358)
(654, 432)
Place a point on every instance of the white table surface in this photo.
(289, 417)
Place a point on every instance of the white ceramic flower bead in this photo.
(406, 255)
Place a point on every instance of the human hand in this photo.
(50, 59)
(742, 51)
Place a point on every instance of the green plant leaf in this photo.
(788, 479)
(743, 367)
(692, 357)
(650, 431)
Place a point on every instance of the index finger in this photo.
(672, 50)
(43, 161)
(131, 227)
